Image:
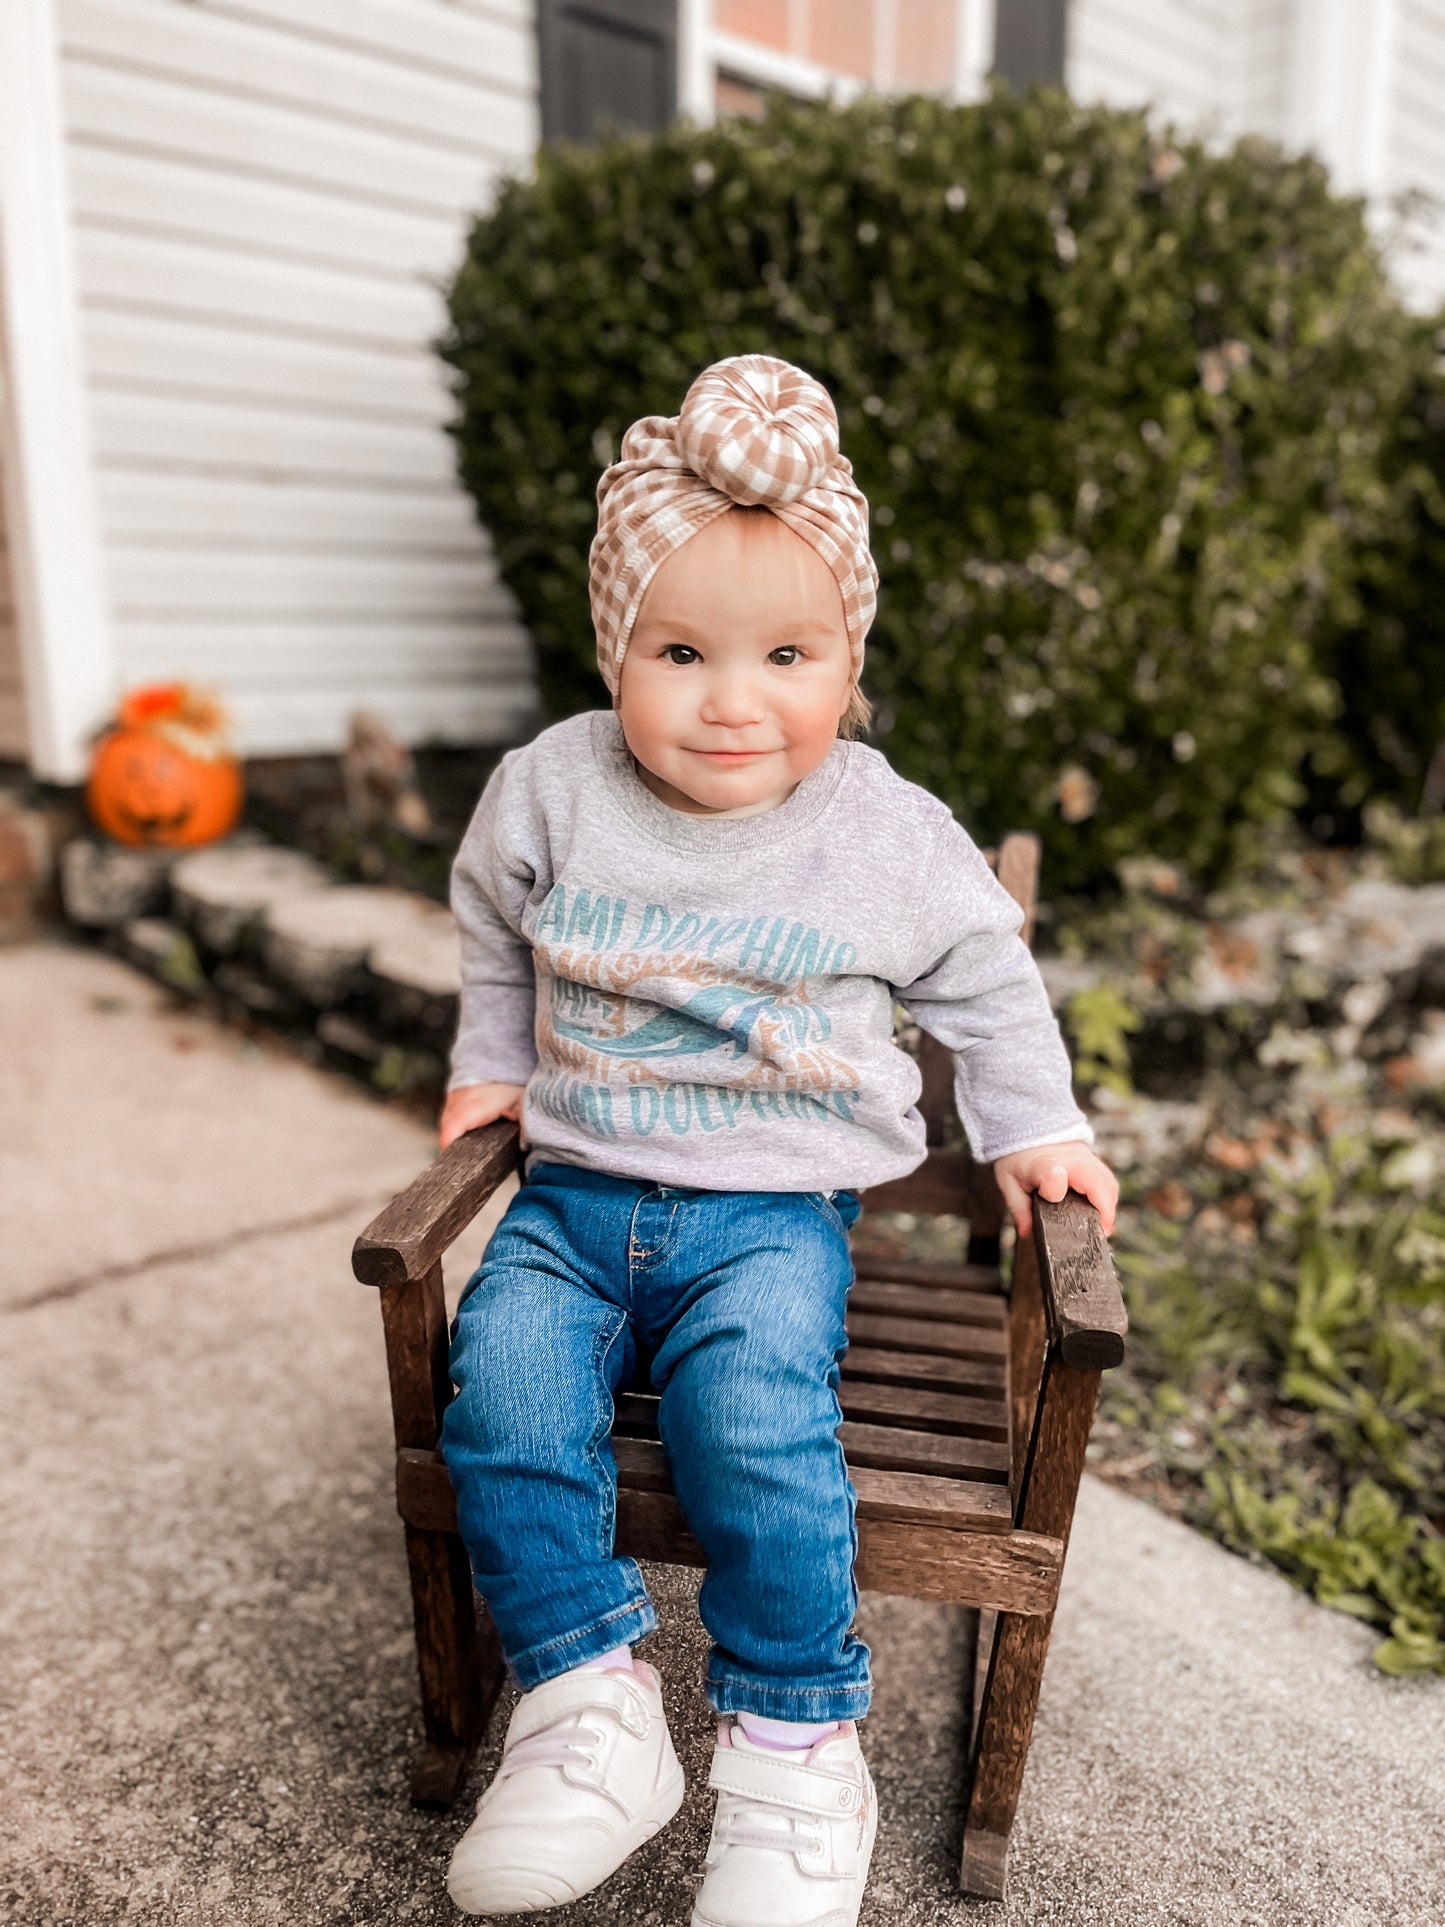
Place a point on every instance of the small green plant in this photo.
(1099, 1021)
(180, 967)
(1413, 846)
(1296, 1382)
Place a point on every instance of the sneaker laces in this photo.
(570, 1744)
(573, 1746)
(739, 1823)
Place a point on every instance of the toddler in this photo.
(684, 925)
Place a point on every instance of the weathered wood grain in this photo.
(1080, 1287)
(413, 1231)
(414, 1321)
(985, 1418)
(1028, 1341)
(1050, 1487)
(915, 1497)
(939, 1302)
(897, 1447)
(928, 1370)
(1018, 1570)
(883, 1333)
(460, 1672)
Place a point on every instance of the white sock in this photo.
(619, 1660)
(785, 1736)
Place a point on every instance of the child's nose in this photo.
(731, 701)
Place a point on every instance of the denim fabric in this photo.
(730, 1304)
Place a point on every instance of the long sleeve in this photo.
(978, 990)
(490, 881)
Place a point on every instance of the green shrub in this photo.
(1118, 405)
(1389, 661)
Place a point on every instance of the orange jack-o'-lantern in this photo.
(165, 774)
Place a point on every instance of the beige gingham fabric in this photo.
(753, 431)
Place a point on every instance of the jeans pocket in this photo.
(840, 1208)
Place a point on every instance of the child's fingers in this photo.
(1016, 1201)
(1054, 1183)
(1097, 1183)
(1101, 1188)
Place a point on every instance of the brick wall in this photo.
(889, 43)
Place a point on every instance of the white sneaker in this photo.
(792, 1836)
(587, 1774)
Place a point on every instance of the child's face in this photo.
(738, 669)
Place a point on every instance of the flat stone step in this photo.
(104, 885)
(318, 942)
(426, 959)
(224, 893)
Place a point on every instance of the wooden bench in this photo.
(966, 1411)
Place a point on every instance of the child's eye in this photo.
(680, 652)
(786, 656)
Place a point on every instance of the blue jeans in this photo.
(731, 1304)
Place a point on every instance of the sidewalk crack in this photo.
(178, 1254)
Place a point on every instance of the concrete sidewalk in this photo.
(207, 1695)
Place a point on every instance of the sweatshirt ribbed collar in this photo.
(705, 833)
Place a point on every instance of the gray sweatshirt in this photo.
(710, 1002)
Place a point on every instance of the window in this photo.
(606, 63)
(1029, 41)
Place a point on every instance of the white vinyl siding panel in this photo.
(1263, 44)
(1214, 66)
(1415, 149)
(269, 195)
(1175, 55)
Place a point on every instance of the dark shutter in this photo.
(606, 63)
(1029, 41)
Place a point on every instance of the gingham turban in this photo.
(753, 431)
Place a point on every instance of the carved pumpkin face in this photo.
(144, 789)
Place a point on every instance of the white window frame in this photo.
(68, 660)
(704, 53)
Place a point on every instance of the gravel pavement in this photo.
(207, 1696)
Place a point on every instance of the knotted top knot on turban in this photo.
(760, 430)
(753, 432)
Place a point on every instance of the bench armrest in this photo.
(1080, 1288)
(407, 1237)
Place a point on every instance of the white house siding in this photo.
(1222, 66)
(267, 195)
(1263, 39)
(1415, 140)
(14, 741)
(1178, 54)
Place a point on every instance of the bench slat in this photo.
(425, 1498)
(927, 1369)
(897, 1448)
(956, 1504)
(937, 1303)
(925, 1411)
(1015, 1572)
(924, 1335)
(984, 1280)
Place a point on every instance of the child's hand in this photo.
(1053, 1170)
(470, 1106)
